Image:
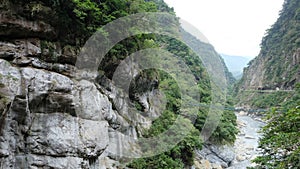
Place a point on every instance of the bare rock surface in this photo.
(51, 120)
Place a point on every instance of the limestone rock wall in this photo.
(50, 117)
(50, 120)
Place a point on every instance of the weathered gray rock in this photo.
(39, 53)
(41, 161)
(20, 48)
(43, 126)
(57, 121)
(10, 78)
(222, 155)
(94, 105)
(154, 102)
(61, 135)
(246, 144)
(53, 115)
(107, 163)
(18, 27)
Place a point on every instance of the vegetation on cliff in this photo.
(272, 80)
(183, 153)
(280, 141)
(278, 64)
(74, 21)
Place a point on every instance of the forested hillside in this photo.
(280, 140)
(271, 81)
(206, 50)
(277, 67)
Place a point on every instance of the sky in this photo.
(233, 27)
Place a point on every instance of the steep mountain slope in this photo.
(205, 49)
(277, 67)
(56, 114)
(193, 31)
(235, 64)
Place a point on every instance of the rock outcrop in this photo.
(275, 72)
(277, 65)
(50, 117)
(55, 121)
(221, 155)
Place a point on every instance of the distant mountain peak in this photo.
(235, 64)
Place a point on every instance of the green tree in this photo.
(281, 136)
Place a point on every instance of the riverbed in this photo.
(246, 145)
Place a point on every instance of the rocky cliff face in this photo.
(277, 65)
(276, 68)
(284, 75)
(50, 118)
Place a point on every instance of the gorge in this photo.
(174, 109)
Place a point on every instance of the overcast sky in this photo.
(233, 27)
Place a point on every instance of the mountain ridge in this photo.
(277, 67)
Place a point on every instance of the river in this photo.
(246, 145)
